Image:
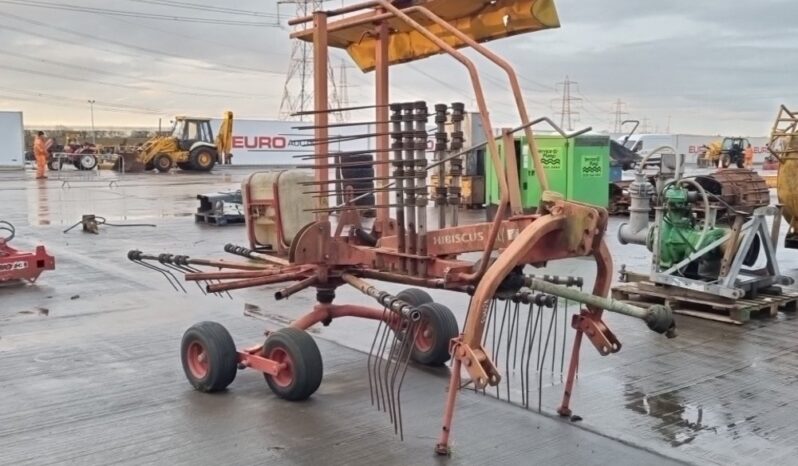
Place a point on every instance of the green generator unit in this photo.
(578, 168)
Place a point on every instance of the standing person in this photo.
(40, 152)
(749, 156)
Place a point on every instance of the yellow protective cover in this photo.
(482, 20)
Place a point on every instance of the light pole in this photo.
(93, 133)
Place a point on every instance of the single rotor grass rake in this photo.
(401, 247)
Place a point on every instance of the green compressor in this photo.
(680, 233)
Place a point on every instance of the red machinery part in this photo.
(19, 265)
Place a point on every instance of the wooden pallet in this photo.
(706, 306)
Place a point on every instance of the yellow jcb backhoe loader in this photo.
(190, 146)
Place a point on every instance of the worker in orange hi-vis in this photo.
(40, 152)
(749, 156)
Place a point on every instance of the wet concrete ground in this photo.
(91, 374)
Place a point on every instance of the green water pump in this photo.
(680, 233)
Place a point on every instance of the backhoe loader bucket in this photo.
(128, 162)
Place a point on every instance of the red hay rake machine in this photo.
(334, 249)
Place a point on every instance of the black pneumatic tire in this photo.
(209, 342)
(437, 328)
(305, 370)
(162, 163)
(202, 159)
(414, 296)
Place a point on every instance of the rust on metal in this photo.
(328, 253)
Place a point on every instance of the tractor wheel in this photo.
(414, 296)
(209, 357)
(87, 162)
(162, 163)
(435, 330)
(203, 159)
(303, 369)
(725, 161)
(55, 165)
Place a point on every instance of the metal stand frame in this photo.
(734, 281)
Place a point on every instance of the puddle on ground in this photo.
(680, 422)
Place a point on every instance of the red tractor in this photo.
(81, 156)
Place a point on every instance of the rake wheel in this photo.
(302, 369)
(435, 330)
(209, 357)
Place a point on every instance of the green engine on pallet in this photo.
(680, 232)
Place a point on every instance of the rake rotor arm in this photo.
(384, 298)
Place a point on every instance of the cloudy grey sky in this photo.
(708, 66)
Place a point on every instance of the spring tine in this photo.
(199, 284)
(516, 325)
(400, 356)
(340, 138)
(525, 366)
(349, 180)
(183, 271)
(338, 110)
(533, 336)
(169, 276)
(494, 314)
(564, 335)
(166, 264)
(339, 125)
(393, 356)
(556, 318)
(497, 346)
(342, 164)
(402, 379)
(540, 373)
(508, 307)
(312, 155)
(377, 365)
(371, 354)
(152, 267)
(193, 269)
(378, 372)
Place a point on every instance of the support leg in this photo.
(442, 448)
(564, 409)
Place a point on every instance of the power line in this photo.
(106, 83)
(222, 66)
(63, 40)
(209, 8)
(133, 14)
(63, 105)
(231, 94)
(143, 110)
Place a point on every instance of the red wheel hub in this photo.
(425, 336)
(285, 377)
(197, 358)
